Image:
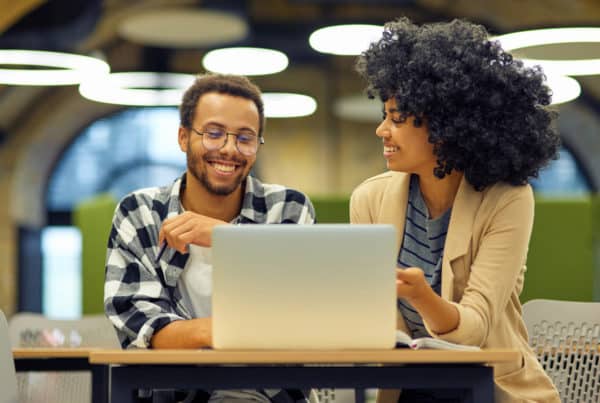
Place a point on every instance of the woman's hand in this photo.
(188, 228)
(411, 284)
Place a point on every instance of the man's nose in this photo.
(230, 144)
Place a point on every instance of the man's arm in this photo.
(135, 297)
(192, 333)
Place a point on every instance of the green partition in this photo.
(596, 245)
(93, 217)
(561, 258)
(331, 209)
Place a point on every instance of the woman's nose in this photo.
(382, 130)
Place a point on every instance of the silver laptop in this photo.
(322, 286)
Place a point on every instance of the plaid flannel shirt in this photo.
(140, 296)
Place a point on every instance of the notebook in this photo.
(322, 286)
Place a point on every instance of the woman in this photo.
(465, 126)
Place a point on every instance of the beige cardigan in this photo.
(483, 268)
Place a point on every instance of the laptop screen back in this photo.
(323, 286)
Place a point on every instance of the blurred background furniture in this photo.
(8, 378)
(27, 330)
(565, 336)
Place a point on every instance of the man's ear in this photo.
(182, 138)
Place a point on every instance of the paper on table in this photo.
(404, 340)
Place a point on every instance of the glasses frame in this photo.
(261, 141)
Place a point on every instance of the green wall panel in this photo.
(93, 217)
(561, 260)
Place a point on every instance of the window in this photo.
(129, 150)
(563, 177)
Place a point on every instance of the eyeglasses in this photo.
(215, 138)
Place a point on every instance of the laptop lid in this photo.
(322, 286)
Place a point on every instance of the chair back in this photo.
(565, 336)
(33, 329)
(8, 377)
(91, 330)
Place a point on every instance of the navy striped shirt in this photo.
(422, 247)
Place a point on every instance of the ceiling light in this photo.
(345, 39)
(564, 89)
(245, 61)
(65, 68)
(137, 88)
(540, 37)
(183, 27)
(358, 108)
(287, 105)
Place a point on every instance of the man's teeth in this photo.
(223, 168)
(388, 149)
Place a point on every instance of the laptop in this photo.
(322, 286)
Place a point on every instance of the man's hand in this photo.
(188, 228)
(411, 284)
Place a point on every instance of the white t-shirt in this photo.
(195, 282)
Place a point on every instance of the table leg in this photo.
(482, 389)
(99, 383)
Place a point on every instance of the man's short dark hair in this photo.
(486, 113)
(238, 86)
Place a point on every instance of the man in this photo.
(161, 301)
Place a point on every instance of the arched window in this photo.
(117, 154)
(562, 178)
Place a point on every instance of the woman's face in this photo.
(405, 147)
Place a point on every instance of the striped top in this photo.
(422, 247)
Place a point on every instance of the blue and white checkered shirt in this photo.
(140, 296)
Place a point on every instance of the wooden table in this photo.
(64, 359)
(212, 369)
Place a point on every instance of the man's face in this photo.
(220, 171)
(405, 147)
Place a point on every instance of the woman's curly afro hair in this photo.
(486, 113)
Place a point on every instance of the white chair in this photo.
(8, 378)
(75, 386)
(565, 336)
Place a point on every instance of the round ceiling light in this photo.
(137, 88)
(288, 105)
(554, 36)
(358, 108)
(65, 68)
(246, 61)
(350, 39)
(183, 27)
(564, 89)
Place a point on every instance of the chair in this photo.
(8, 378)
(565, 336)
(75, 386)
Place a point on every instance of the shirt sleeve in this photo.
(135, 299)
(495, 270)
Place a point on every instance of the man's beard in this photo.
(202, 176)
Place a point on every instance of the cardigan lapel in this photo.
(460, 231)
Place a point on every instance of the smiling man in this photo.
(160, 300)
